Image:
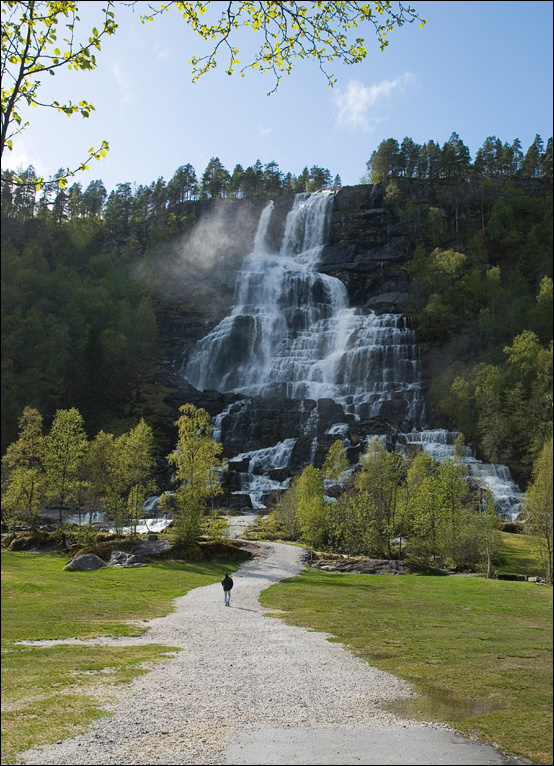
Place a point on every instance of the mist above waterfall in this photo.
(201, 265)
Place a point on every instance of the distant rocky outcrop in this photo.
(375, 566)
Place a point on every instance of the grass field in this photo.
(478, 651)
(49, 693)
(518, 556)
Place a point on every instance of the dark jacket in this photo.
(227, 583)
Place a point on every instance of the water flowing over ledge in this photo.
(293, 336)
(292, 333)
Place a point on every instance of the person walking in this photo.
(227, 583)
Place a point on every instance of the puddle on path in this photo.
(437, 705)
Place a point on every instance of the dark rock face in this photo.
(276, 228)
(262, 422)
(366, 249)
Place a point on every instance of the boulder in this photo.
(334, 491)
(148, 548)
(87, 562)
(123, 559)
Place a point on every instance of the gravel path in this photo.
(248, 689)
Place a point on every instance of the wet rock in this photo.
(334, 491)
(239, 501)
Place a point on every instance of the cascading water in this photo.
(292, 335)
(439, 444)
(256, 480)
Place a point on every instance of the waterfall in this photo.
(492, 476)
(292, 333)
(255, 480)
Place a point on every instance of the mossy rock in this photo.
(104, 548)
(28, 541)
(207, 551)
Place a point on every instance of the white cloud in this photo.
(127, 96)
(357, 106)
(265, 131)
(22, 156)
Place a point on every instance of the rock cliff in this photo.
(366, 250)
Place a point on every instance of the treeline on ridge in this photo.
(132, 209)
(430, 161)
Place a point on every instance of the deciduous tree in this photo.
(31, 49)
(325, 32)
(538, 507)
(97, 473)
(197, 470)
(336, 461)
(380, 477)
(65, 447)
(24, 487)
(311, 508)
(135, 465)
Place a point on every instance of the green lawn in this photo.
(48, 693)
(479, 651)
(518, 556)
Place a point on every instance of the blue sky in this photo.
(477, 68)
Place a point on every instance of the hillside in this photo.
(109, 315)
